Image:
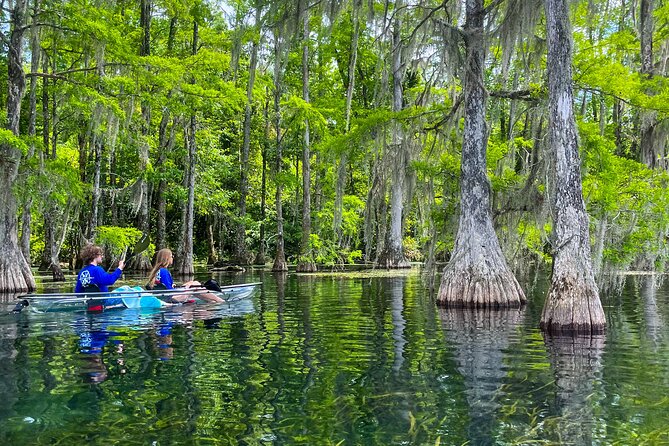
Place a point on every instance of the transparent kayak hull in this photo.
(131, 297)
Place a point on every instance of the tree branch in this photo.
(524, 95)
(491, 6)
(448, 117)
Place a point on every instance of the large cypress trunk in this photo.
(15, 274)
(477, 274)
(97, 192)
(573, 302)
(392, 255)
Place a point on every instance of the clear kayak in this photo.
(127, 297)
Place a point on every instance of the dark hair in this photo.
(89, 253)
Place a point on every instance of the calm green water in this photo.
(336, 360)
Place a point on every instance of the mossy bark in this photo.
(477, 274)
(15, 274)
(573, 304)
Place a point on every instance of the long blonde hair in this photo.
(163, 258)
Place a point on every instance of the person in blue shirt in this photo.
(92, 274)
(161, 278)
(93, 277)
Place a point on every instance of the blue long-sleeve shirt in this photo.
(164, 277)
(96, 275)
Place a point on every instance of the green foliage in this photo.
(412, 249)
(117, 240)
(626, 193)
(9, 139)
(535, 239)
(327, 253)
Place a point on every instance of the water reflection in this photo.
(654, 323)
(335, 360)
(577, 366)
(481, 340)
(399, 324)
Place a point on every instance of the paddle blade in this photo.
(141, 244)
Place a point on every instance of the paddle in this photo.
(140, 246)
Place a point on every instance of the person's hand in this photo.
(191, 283)
(121, 264)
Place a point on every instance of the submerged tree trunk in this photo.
(280, 256)
(477, 274)
(306, 262)
(393, 254)
(573, 302)
(15, 274)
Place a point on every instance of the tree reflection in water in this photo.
(654, 323)
(577, 364)
(480, 339)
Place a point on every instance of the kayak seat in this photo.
(91, 288)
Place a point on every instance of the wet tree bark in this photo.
(306, 262)
(573, 302)
(280, 256)
(477, 274)
(393, 254)
(15, 274)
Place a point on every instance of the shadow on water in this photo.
(481, 340)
